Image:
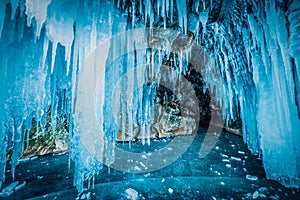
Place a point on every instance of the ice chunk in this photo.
(137, 168)
(34, 158)
(7, 191)
(224, 155)
(255, 195)
(88, 195)
(236, 158)
(24, 160)
(252, 178)
(241, 152)
(262, 189)
(20, 186)
(131, 194)
(83, 196)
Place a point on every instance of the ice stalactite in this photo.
(256, 54)
(182, 15)
(29, 88)
(275, 78)
(2, 15)
(96, 26)
(38, 11)
(124, 109)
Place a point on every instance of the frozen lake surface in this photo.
(228, 171)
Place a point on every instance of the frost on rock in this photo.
(47, 47)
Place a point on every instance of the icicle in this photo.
(123, 119)
(93, 183)
(38, 10)
(149, 13)
(171, 10)
(45, 51)
(68, 57)
(22, 7)
(203, 17)
(180, 63)
(14, 5)
(164, 13)
(182, 15)
(283, 43)
(143, 133)
(124, 4)
(146, 12)
(294, 49)
(167, 7)
(93, 35)
(141, 7)
(158, 7)
(148, 134)
(130, 123)
(54, 47)
(152, 64)
(141, 113)
(2, 14)
(89, 183)
(133, 14)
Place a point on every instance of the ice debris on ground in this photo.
(7, 191)
(251, 177)
(131, 193)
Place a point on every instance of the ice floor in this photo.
(228, 171)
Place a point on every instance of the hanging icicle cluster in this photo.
(45, 45)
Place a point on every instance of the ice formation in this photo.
(50, 61)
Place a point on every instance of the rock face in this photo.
(172, 116)
(48, 141)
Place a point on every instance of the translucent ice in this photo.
(255, 46)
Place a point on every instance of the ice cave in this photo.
(150, 99)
